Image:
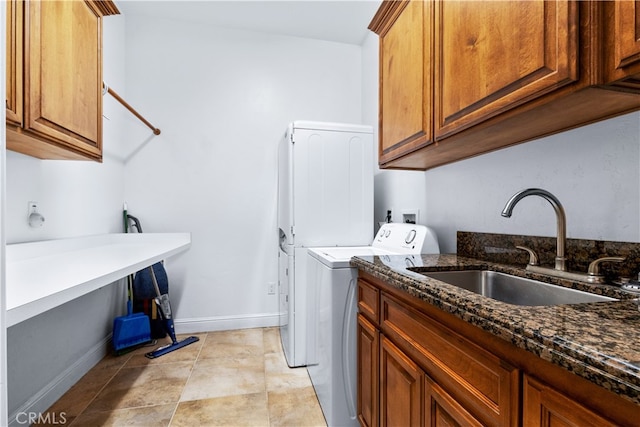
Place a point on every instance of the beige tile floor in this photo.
(228, 378)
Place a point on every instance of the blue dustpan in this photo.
(130, 330)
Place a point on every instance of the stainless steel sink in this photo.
(513, 289)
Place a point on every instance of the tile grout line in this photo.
(95, 396)
(264, 373)
(193, 367)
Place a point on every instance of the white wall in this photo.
(222, 99)
(48, 353)
(594, 171)
(76, 198)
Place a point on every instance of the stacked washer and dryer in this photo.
(325, 198)
(325, 217)
(332, 313)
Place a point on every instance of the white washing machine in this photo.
(332, 310)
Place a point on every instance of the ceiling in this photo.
(343, 21)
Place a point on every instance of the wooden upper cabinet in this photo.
(62, 88)
(14, 62)
(499, 73)
(492, 56)
(405, 77)
(623, 32)
(71, 30)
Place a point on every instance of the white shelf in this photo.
(43, 275)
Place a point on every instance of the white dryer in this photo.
(332, 311)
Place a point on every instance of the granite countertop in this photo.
(597, 341)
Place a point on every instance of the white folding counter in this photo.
(43, 275)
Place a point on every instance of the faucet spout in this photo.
(560, 216)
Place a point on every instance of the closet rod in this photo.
(106, 88)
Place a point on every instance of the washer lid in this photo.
(339, 257)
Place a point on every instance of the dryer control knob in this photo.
(410, 237)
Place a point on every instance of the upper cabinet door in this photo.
(623, 43)
(54, 77)
(492, 56)
(64, 74)
(14, 62)
(405, 77)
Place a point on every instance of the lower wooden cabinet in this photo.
(408, 397)
(478, 380)
(394, 390)
(401, 387)
(367, 372)
(544, 406)
(420, 366)
(443, 410)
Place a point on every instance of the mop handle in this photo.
(155, 282)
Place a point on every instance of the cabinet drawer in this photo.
(369, 301)
(485, 385)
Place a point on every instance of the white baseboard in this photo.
(53, 391)
(224, 323)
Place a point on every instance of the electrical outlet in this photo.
(271, 288)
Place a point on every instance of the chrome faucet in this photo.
(560, 216)
(593, 275)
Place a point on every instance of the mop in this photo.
(164, 307)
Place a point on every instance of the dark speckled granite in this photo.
(597, 341)
(501, 248)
